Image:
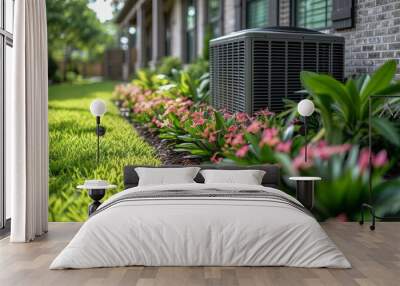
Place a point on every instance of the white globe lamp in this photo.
(306, 108)
(98, 108)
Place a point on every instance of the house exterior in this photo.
(157, 28)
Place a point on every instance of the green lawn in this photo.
(73, 147)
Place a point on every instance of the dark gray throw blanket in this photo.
(198, 194)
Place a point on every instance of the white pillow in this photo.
(248, 177)
(166, 176)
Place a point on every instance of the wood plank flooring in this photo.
(375, 257)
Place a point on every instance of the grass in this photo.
(73, 147)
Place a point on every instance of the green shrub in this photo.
(198, 68)
(344, 108)
(168, 64)
(73, 147)
(177, 114)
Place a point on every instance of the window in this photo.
(190, 31)
(6, 64)
(257, 13)
(313, 14)
(214, 18)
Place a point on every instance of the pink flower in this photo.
(323, 151)
(242, 151)
(215, 159)
(241, 117)
(198, 122)
(284, 147)
(157, 122)
(363, 160)
(232, 128)
(264, 112)
(380, 159)
(300, 163)
(197, 114)
(270, 137)
(212, 137)
(227, 115)
(238, 140)
(254, 127)
(206, 133)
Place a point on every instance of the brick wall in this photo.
(375, 38)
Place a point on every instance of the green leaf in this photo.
(386, 129)
(380, 79)
(324, 85)
(219, 121)
(392, 89)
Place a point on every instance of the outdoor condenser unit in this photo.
(255, 69)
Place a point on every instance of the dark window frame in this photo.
(185, 31)
(273, 13)
(294, 17)
(219, 19)
(6, 39)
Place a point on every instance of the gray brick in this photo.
(375, 55)
(375, 37)
(394, 46)
(368, 48)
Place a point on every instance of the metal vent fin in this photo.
(227, 73)
(260, 75)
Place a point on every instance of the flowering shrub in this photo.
(218, 136)
(345, 172)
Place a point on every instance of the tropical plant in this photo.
(147, 79)
(344, 108)
(198, 68)
(168, 64)
(183, 84)
(346, 174)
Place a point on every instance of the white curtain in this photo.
(27, 127)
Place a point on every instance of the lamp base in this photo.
(100, 130)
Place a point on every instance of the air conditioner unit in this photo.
(255, 69)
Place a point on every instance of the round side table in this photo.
(96, 194)
(305, 190)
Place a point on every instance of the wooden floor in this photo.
(375, 257)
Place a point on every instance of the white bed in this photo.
(201, 231)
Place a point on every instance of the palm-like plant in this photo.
(344, 108)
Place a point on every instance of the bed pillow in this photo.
(248, 177)
(166, 176)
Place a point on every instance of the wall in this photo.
(375, 38)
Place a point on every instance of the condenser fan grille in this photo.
(251, 71)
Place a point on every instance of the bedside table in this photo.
(305, 190)
(96, 194)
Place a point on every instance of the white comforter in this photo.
(200, 231)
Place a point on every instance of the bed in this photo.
(201, 224)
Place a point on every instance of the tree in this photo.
(74, 33)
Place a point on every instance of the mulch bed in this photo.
(164, 148)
